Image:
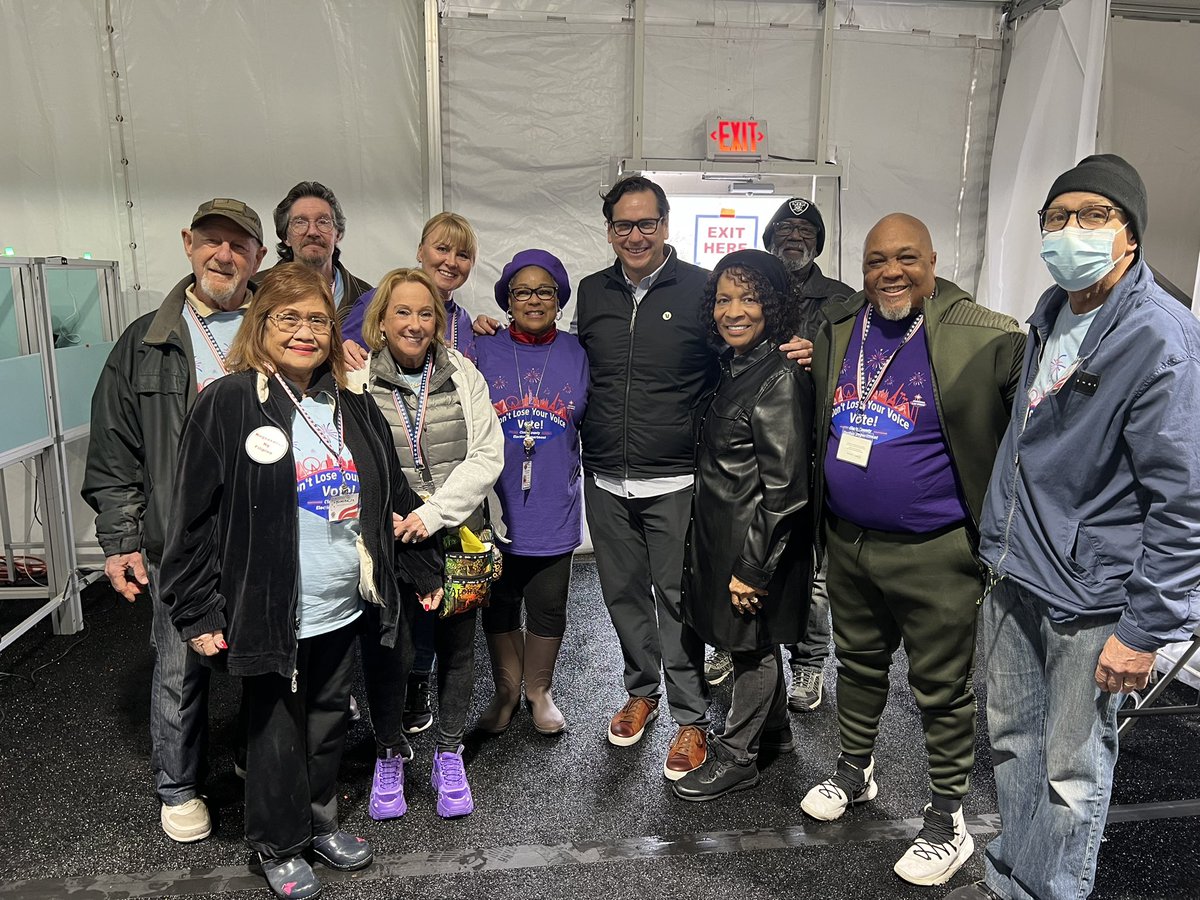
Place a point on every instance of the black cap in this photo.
(796, 208)
(1111, 176)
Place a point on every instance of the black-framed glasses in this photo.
(524, 295)
(300, 225)
(805, 230)
(290, 323)
(622, 227)
(1090, 217)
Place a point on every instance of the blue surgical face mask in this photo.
(1077, 258)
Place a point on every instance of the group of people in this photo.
(740, 439)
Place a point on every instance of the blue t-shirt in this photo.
(1057, 363)
(908, 484)
(223, 327)
(329, 597)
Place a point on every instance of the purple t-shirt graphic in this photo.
(908, 484)
(539, 392)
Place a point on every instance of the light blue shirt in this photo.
(329, 597)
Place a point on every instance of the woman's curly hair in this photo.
(779, 313)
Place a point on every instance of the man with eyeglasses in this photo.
(310, 224)
(151, 378)
(650, 361)
(1091, 530)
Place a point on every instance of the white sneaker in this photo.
(940, 849)
(187, 822)
(849, 785)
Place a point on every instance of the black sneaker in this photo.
(418, 709)
(717, 776)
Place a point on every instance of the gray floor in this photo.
(556, 817)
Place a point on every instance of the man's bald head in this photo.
(898, 265)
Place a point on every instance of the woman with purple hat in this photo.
(748, 563)
(538, 379)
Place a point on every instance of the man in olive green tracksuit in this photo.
(914, 384)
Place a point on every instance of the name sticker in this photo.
(266, 444)
(854, 450)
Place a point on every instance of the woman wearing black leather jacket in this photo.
(748, 565)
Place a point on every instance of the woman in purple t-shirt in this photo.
(538, 379)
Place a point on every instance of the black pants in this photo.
(387, 679)
(543, 582)
(294, 745)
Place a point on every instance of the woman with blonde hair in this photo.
(283, 529)
(450, 447)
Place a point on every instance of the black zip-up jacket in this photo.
(649, 365)
(145, 389)
(231, 562)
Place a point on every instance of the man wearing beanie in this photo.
(151, 379)
(1091, 530)
(914, 383)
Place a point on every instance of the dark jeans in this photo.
(294, 745)
(639, 543)
(178, 706)
(924, 590)
(422, 638)
(813, 649)
(387, 673)
(543, 582)
(758, 702)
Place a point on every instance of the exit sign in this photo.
(737, 139)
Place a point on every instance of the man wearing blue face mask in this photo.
(1091, 530)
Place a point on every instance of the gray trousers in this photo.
(813, 650)
(639, 545)
(178, 706)
(758, 702)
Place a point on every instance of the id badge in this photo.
(854, 449)
(343, 507)
(527, 475)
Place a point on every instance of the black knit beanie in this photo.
(796, 208)
(1114, 178)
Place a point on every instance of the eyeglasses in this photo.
(623, 227)
(300, 225)
(1090, 217)
(783, 229)
(290, 323)
(524, 295)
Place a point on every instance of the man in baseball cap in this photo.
(147, 385)
(1092, 536)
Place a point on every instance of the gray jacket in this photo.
(1094, 501)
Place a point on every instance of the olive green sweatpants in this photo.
(885, 588)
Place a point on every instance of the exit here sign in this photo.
(737, 139)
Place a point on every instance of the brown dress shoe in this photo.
(630, 722)
(687, 752)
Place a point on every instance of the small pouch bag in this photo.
(472, 564)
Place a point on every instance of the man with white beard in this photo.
(914, 383)
(151, 379)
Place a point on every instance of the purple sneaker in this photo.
(450, 781)
(387, 787)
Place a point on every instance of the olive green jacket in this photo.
(975, 357)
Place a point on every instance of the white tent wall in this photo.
(1150, 114)
(537, 99)
(1047, 124)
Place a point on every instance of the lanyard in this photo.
(209, 338)
(528, 443)
(862, 352)
(336, 451)
(454, 330)
(415, 429)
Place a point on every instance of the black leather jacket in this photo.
(749, 515)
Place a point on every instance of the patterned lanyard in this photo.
(453, 328)
(209, 338)
(528, 443)
(415, 429)
(316, 429)
(862, 352)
